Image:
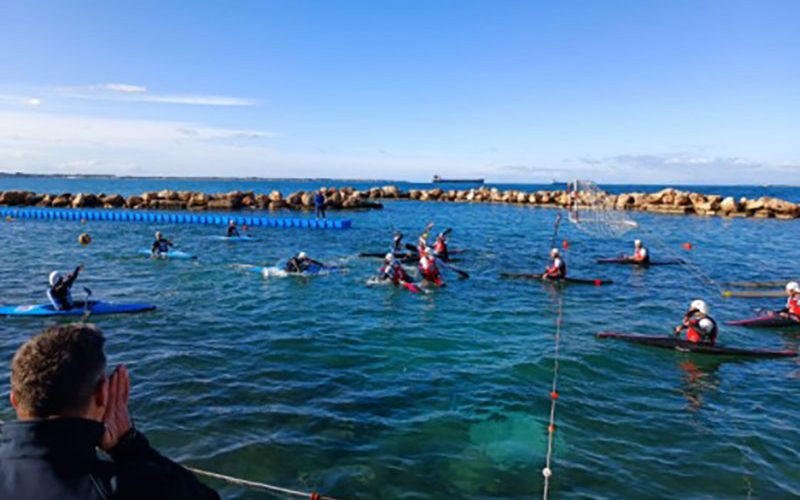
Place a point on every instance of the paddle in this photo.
(463, 274)
(87, 311)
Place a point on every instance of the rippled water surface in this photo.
(326, 384)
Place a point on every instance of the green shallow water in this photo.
(323, 383)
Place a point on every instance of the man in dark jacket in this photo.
(67, 407)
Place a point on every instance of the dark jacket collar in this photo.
(70, 438)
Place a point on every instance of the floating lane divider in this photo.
(116, 215)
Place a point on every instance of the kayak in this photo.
(622, 260)
(172, 254)
(758, 284)
(672, 342)
(567, 280)
(767, 321)
(754, 294)
(411, 287)
(235, 238)
(96, 307)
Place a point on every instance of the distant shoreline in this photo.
(328, 179)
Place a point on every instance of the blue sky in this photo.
(522, 91)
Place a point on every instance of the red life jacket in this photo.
(793, 305)
(428, 268)
(557, 269)
(440, 247)
(695, 334)
(638, 254)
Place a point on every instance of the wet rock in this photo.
(13, 198)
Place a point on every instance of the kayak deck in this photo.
(172, 254)
(672, 342)
(538, 277)
(79, 309)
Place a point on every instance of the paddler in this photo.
(792, 309)
(428, 268)
(422, 242)
(393, 271)
(397, 243)
(557, 270)
(440, 246)
(700, 327)
(160, 245)
(301, 263)
(60, 291)
(232, 229)
(640, 254)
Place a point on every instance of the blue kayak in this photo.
(96, 307)
(172, 254)
(235, 238)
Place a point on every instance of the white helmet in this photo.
(554, 252)
(302, 255)
(389, 257)
(637, 242)
(158, 235)
(54, 277)
(700, 306)
(792, 287)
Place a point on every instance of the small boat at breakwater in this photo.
(439, 180)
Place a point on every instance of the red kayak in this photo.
(675, 343)
(538, 277)
(771, 320)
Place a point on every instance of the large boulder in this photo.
(13, 197)
(175, 204)
(168, 194)
(85, 200)
(113, 201)
(278, 205)
(781, 206)
(149, 196)
(391, 192)
(295, 198)
(199, 199)
(307, 199)
(46, 201)
(729, 205)
(62, 200)
(224, 204)
(275, 196)
(133, 201)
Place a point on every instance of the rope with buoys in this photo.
(547, 471)
(253, 484)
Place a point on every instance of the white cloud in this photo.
(122, 87)
(20, 100)
(137, 93)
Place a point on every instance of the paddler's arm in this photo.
(72, 277)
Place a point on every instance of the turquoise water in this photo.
(323, 383)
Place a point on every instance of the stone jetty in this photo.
(666, 201)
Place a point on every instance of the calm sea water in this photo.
(323, 383)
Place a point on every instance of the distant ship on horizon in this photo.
(439, 180)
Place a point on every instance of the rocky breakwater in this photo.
(666, 201)
(335, 199)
